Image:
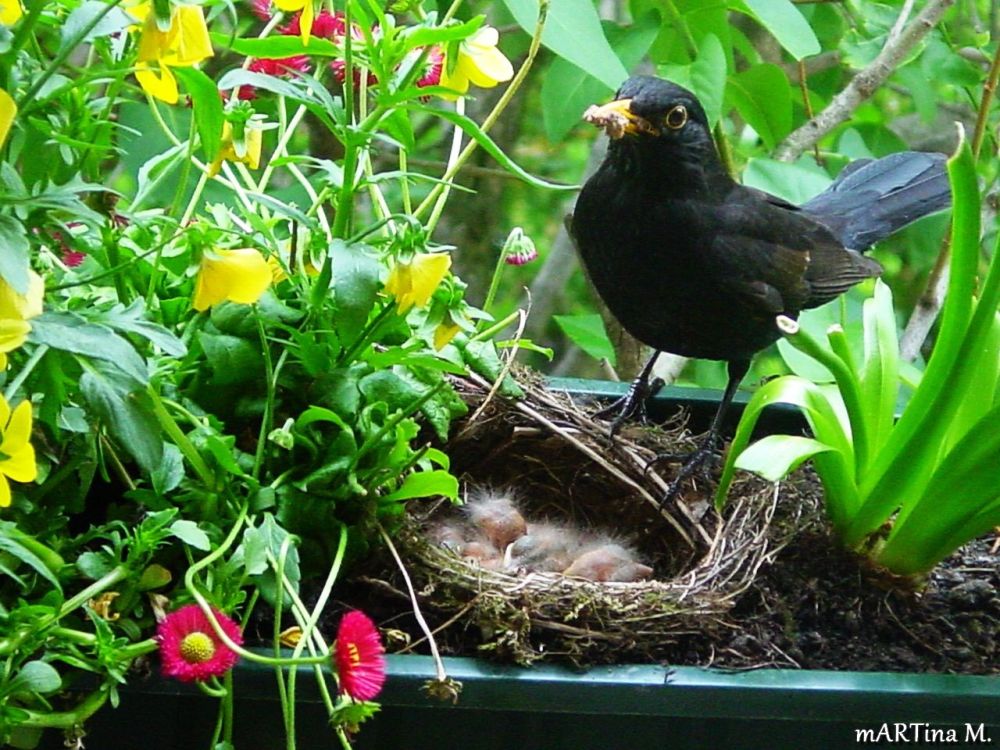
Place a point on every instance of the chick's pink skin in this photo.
(608, 561)
(496, 515)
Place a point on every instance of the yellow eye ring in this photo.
(677, 117)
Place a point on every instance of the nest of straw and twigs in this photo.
(561, 466)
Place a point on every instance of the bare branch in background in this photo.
(864, 84)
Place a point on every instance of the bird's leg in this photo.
(633, 403)
(695, 461)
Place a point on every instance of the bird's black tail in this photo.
(871, 199)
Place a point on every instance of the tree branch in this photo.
(864, 84)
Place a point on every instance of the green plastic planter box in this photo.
(606, 708)
(548, 708)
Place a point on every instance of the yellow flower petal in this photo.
(253, 144)
(8, 110)
(14, 306)
(413, 283)
(189, 42)
(487, 67)
(162, 86)
(4, 492)
(291, 5)
(240, 275)
(13, 333)
(10, 12)
(3, 361)
(306, 21)
(18, 460)
(443, 335)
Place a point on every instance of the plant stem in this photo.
(271, 388)
(180, 439)
(36, 356)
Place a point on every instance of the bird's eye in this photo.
(677, 117)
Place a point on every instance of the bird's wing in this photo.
(777, 259)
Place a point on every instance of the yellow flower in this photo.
(306, 20)
(253, 140)
(10, 12)
(8, 109)
(443, 335)
(185, 43)
(413, 283)
(17, 455)
(479, 62)
(15, 310)
(240, 275)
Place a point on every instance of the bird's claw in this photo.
(631, 405)
(697, 463)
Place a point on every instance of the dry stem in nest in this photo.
(562, 467)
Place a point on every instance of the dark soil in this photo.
(818, 607)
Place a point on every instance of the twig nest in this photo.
(578, 561)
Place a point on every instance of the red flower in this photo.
(339, 68)
(326, 25)
(261, 9)
(189, 648)
(72, 258)
(281, 67)
(359, 657)
(432, 67)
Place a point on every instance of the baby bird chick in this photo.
(608, 561)
(496, 516)
(546, 548)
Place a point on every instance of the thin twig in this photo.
(864, 84)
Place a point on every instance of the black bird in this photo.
(693, 263)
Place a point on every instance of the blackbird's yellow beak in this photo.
(618, 120)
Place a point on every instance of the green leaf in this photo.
(189, 533)
(705, 77)
(879, 378)
(587, 332)
(72, 333)
(762, 96)
(486, 143)
(424, 484)
(355, 287)
(208, 111)
(785, 23)
(573, 31)
(276, 46)
(774, 457)
(13, 547)
(132, 319)
(423, 36)
(115, 20)
(567, 90)
(14, 251)
(232, 359)
(796, 182)
(125, 406)
(35, 677)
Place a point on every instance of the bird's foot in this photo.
(699, 462)
(631, 405)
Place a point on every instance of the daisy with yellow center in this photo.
(183, 44)
(190, 649)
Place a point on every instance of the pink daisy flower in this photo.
(359, 657)
(189, 648)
